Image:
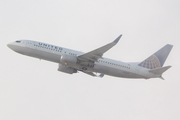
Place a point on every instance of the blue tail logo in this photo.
(158, 59)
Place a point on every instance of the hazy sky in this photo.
(31, 89)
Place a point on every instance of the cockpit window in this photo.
(18, 41)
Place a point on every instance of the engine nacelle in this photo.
(67, 59)
(66, 69)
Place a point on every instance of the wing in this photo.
(98, 53)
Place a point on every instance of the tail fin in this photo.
(157, 59)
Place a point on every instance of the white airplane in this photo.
(71, 61)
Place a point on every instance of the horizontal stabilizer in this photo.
(159, 70)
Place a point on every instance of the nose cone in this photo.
(17, 47)
(10, 45)
(13, 46)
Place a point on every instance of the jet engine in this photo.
(67, 59)
(66, 69)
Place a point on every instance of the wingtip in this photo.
(169, 45)
(117, 39)
(101, 75)
(161, 78)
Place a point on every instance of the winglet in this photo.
(117, 39)
(101, 75)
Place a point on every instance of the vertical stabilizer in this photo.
(157, 59)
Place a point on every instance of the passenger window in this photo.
(18, 41)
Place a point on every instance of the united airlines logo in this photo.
(151, 63)
(50, 46)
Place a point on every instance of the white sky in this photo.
(31, 89)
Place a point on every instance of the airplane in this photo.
(71, 61)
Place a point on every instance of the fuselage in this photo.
(103, 65)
